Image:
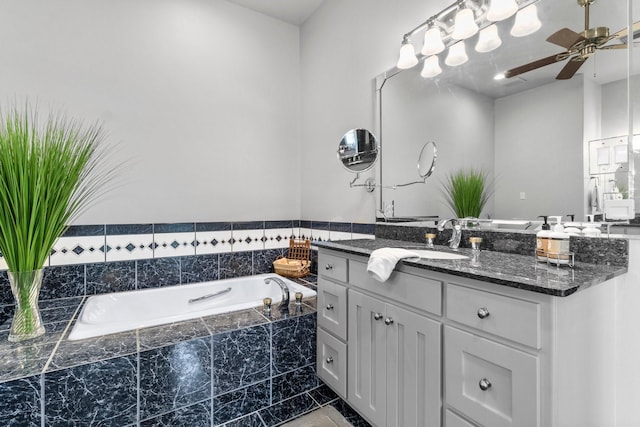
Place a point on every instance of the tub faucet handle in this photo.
(284, 303)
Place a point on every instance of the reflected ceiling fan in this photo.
(579, 46)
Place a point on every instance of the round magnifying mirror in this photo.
(427, 160)
(358, 150)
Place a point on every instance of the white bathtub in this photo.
(124, 311)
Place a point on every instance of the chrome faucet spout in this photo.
(456, 231)
(284, 303)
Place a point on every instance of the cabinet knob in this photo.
(329, 360)
(483, 313)
(484, 384)
(328, 267)
(329, 306)
(377, 316)
(388, 321)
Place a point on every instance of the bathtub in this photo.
(125, 311)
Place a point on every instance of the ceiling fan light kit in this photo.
(463, 20)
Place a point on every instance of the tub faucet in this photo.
(284, 303)
(456, 231)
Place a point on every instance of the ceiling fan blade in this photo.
(565, 38)
(569, 70)
(531, 66)
(614, 46)
(624, 31)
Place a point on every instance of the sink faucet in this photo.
(284, 303)
(456, 231)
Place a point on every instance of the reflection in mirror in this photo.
(530, 132)
(358, 150)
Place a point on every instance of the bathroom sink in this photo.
(430, 254)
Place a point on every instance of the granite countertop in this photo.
(516, 271)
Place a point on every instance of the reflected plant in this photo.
(466, 192)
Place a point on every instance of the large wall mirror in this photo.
(530, 133)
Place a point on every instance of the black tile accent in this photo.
(251, 420)
(288, 409)
(293, 383)
(122, 229)
(172, 333)
(349, 414)
(323, 394)
(63, 282)
(248, 225)
(239, 402)
(320, 225)
(198, 415)
(108, 277)
(6, 297)
(363, 228)
(198, 268)
(305, 224)
(101, 393)
(20, 402)
(236, 264)
(344, 227)
(159, 272)
(175, 376)
(84, 230)
(213, 226)
(294, 343)
(263, 260)
(278, 224)
(183, 227)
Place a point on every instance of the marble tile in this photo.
(101, 393)
(20, 402)
(172, 333)
(198, 415)
(263, 260)
(288, 409)
(240, 358)
(63, 281)
(175, 376)
(323, 394)
(109, 277)
(227, 322)
(293, 383)
(293, 343)
(199, 268)
(236, 264)
(239, 402)
(90, 350)
(6, 297)
(349, 413)
(251, 420)
(24, 360)
(156, 273)
(77, 250)
(292, 311)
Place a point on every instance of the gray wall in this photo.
(203, 97)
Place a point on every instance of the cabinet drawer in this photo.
(415, 291)
(333, 267)
(331, 359)
(491, 383)
(332, 307)
(507, 317)
(453, 420)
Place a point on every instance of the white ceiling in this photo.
(292, 11)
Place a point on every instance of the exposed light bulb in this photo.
(527, 22)
(501, 9)
(499, 76)
(407, 55)
(457, 55)
(464, 25)
(488, 39)
(431, 67)
(432, 42)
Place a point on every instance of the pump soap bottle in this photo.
(542, 240)
(558, 249)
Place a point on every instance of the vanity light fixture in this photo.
(457, 55)
(407, 55)
(431, 67)
(432, 41)
(488, 39)
(465, 24)
(527, 22)
(500, 10)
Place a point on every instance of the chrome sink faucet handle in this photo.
(456, 231)
(284, 303)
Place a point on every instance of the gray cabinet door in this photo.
(367, 354)
(413, 369)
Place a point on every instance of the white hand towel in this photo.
(383, 261)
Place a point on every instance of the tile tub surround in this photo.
(512, 270)
(231, 368)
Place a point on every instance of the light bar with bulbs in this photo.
(449, 28)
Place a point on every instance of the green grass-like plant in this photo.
(466, 192)
(49, 173)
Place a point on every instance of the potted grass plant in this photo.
(466, 192)
(49, 172)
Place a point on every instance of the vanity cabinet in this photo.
(427, 349)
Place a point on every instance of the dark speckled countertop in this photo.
(516, 271)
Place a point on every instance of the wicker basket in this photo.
(296, 263)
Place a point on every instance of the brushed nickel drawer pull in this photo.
(328, 267)
(329, 360)
(484, 384)
(388, 321)
(377, 316)
(329, 306)
(483, 313)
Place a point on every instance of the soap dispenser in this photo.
(591, 228)
(558, 248)
(571, 227)
(542, 240)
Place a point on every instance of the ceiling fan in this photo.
(579, 46)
